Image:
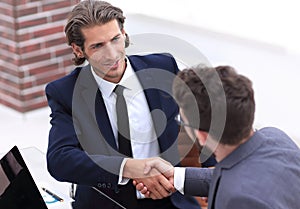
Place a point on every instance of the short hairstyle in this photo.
(240, 104)
(87, 14)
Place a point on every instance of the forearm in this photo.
(197, 181)
(74, 165)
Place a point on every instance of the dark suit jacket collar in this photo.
(242, 152)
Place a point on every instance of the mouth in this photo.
(113, 65)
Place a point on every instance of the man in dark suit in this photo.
(256, 168)
(85, 137)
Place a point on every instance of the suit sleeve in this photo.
(197, 181)
(66, 161)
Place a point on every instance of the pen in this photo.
(52, 194)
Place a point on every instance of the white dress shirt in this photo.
(144, 142)
(179, 177)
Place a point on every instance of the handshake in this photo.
(153, 177)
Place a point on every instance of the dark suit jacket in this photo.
(263, 173)
(82, 146)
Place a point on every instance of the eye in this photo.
(115, 39)
(96, 46)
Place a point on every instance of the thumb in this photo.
(147, 168)
(149, 164)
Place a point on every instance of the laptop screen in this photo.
(17, 187)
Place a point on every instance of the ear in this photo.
(77, 50)
(123, 32)
(201, 136)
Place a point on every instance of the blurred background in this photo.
(259, 38)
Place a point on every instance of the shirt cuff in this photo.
(122, 181)
(179, 178)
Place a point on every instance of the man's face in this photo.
(104, 48)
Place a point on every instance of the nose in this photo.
(110, 52)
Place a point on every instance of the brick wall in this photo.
(33, 50)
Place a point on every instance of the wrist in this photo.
(133, 168)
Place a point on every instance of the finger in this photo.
(160, 190)
(157, 190)
(140, 186)
(147, 194)
(134, 182)
(167, 185)
(144, 190)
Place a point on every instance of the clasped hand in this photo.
(154, 177)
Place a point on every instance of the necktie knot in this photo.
(119, 90)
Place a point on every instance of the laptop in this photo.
(17, 187)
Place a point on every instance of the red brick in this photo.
(56, 5)
(13, 79)
(13, 72)
(9, 83)
(33, 0)
(26, 11)
(48, 31)
(10, 2)
(7, 24)
(11, 92)
(8, 59)
(58, 41)
(51, 78)
(24, 37)
(63, 52)
(33, 95)
(8, 36)
(62, 16)
(36, 59)
(43, 69)
(6, 12)
(30, 48)
(26, 85)
(68, 63)
(32, 22)
(7, 47)
(35, 106)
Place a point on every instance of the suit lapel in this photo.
(94, 101)
(213, 189)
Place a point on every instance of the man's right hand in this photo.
(155, 166)
(144, 171)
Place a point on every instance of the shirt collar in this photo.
(107, 87)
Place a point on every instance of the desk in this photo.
(36, 163)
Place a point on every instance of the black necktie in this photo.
(122, 122)
(128, 192)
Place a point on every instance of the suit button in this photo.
(108, 185)
(99, 185)
(117, 190)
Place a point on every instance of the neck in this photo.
(223, 150)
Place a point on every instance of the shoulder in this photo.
(277, 137)
(151, 57)
(67, 78)
(64, 83)
(157, 60)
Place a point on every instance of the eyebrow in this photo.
(101, 43)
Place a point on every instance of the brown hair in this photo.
(89, 13)
(240, 104)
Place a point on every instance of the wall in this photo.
(33, 50)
